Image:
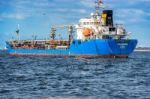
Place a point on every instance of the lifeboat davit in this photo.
(87, 32)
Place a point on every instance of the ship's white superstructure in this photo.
(99, 25)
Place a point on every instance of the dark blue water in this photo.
(72, 78)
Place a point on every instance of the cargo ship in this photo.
(96, 36)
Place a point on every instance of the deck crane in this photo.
(70, 30)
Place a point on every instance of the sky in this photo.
(35, 17)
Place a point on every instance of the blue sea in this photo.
(73, 78)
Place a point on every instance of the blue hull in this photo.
(93, 48)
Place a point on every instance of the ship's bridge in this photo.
(93, 20)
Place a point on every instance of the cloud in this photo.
(1, 19)
(73, 10)
(18, 16)
(87, 3)
(132, 15)
(131, 12)
(119, 21)
(22, 9)
(137, 1)
(82, 11)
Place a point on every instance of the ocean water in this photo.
(73, 78)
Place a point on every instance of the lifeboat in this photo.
(87, 32)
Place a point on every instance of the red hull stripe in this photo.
(78, 56)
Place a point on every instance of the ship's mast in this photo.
(18, 33)
(71, 31)
(53, 35)
(98, 5)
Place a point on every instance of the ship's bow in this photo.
(122, 48)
